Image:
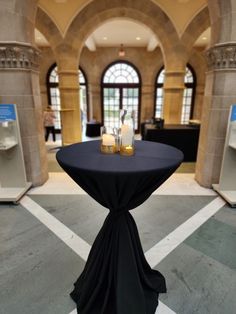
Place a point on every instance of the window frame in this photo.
(193, 87)
(121, 86)
(158, 85)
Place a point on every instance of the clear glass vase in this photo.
(127, 132)
(109, 140)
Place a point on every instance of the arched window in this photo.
(188, 96)
(83, 84)
(189, 93)
(54, 93)
(159, 93)
(120, 90)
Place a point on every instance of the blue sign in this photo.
(7, 112)
(233, 113)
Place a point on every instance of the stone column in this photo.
(95, 102)
(19, 81)
(147, 102)
(173, 96)
(220, 93)
(198, 102)
(70, 104)
(44, 95)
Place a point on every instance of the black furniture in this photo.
(93, 129)
(117, 278)
(183, 137)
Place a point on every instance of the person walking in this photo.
(49, 123)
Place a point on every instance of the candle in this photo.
(127, 135)
(127, 150)
(108, 140)
(127, 140)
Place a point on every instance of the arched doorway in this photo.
(120, 90)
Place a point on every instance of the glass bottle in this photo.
(127, 132)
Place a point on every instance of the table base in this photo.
(117, 278)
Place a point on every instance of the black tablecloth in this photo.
(117, 278)
(184, 137)
(93, 129)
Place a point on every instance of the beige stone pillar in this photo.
(198, 102)
(19, 81)
(147, 102)
(95, 102)
(220, 93)
(70, 104)
(44, 95)
(173, 96)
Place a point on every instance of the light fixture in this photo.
(104, 38)
(121, 51)
(204, 38)
(138, 38)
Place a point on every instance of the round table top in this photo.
(149, 156)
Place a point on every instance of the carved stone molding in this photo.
(18, 56)
(221, 56)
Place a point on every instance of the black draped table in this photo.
(93, 129)
(117, 278)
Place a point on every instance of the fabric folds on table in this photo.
(117, 278)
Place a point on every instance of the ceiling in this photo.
(111, 34)
(119, 31)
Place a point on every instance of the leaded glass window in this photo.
(54, 94)
(122, 73)
(159, 94)
(121, 90)
(188, 97)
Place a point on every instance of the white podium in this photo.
(227, 184)
(13, 183)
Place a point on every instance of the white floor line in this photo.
(163, 309)
(159, 251)
(78, 245)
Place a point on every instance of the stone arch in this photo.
(196, 27)
(48, 28)
(222, 20)
(146, 12)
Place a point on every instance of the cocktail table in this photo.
(117, 278)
